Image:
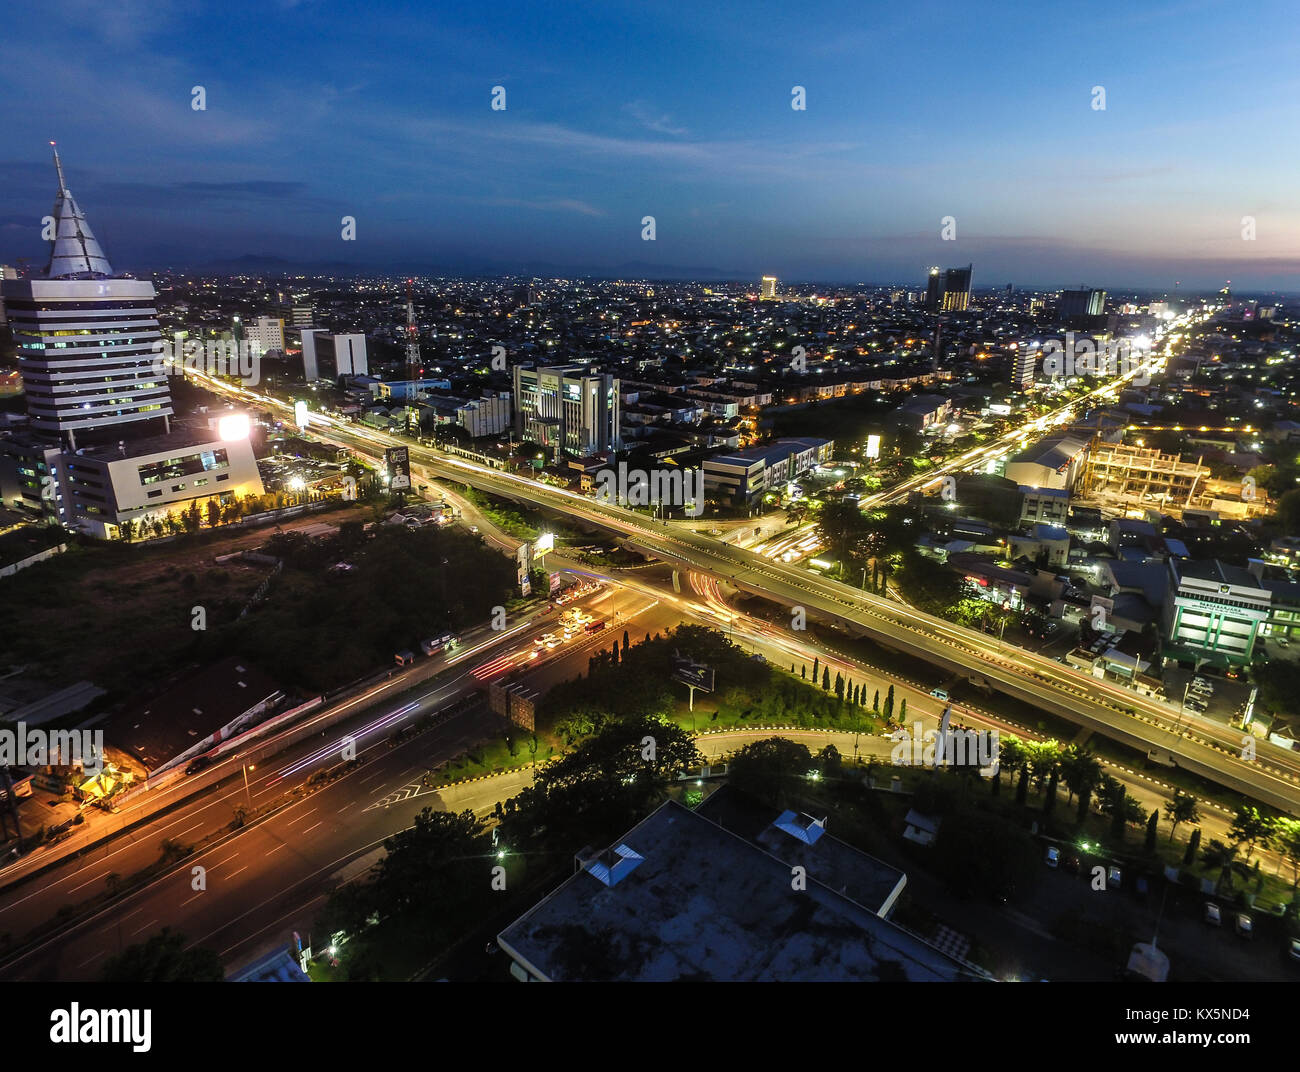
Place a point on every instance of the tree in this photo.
(803, 671)
(1113, 801)
(1182, 809)
(826, 678)
(1082, 772)
(889, 704)
(1288, 511)
(1252, 829)
(839, 687)
(1288, 843)
(214, 513)
(1221, 857)
(1149, 846)
(164, 959)
(875, 703)
(816, 666)
(1193, 843)
(771, 769)
(626, 642)
(902, 712)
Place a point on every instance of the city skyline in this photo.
(612, 114)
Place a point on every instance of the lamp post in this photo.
(247, 790)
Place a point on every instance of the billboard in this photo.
(398, 462)
(300, 413)
(873, 447)
(555, 583)
(692, 673)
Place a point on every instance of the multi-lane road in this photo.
(1201, 746)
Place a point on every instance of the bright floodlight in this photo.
(233, 426)
(296, 483)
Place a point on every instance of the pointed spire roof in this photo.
(74, 253)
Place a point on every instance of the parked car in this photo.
(1245, 926)
(197, 764)
(1293, 949)
(1053, 857)
(1212, 915)
(1114, 877)
(1072, 862)
(939, 694)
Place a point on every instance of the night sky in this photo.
(615, 111)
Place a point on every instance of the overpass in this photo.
(1199, 746)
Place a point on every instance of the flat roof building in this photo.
(679, 898)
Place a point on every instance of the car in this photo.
(939, 694)
(1244, 925)
(473, 528)
(1053, 857)
(540, 641)
(198, 764)
(1196, 706)
(1293, 949)
(1072, 862)
(554, 642)
(1212, 915)
(1114, 877)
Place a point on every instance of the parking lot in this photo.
(1223, 704)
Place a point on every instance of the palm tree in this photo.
(1223, 857)
(1113, 800)
(1082, 772)
(1182, 809)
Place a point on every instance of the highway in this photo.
(1208, 749)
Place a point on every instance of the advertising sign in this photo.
(398, 462)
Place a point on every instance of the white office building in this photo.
(87, 341)
(99, 449)
(329, 357)
(266, 334)
(567, 408)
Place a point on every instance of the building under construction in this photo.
(1144, 478)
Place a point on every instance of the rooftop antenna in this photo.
(58, 166)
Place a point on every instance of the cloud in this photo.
(659, 123)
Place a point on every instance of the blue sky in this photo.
(615, 111)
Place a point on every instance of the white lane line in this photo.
(301, 817)
(311, 828)
(74, 889)
(144, 928)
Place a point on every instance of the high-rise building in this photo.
(328, 357)
(934, 291)
(948, 291)
(99, 455)
(567, 408)
(956, 289)
(266, 333)
(1023, 363)
(87, 340)
(298, 314)
(769, 288)
(1082, 302)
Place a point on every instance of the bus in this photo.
(436, 644)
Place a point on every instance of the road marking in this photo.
(304, 815)
(311, 828)
(88, 960)
(74, 889)
(194, 898)
(234, 873)
(277, 848)
(145, 927)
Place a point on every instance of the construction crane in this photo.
(412, 363)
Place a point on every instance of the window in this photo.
(155, 494)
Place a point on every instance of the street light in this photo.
(247, 768)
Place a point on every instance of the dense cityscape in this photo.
(378, 621)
